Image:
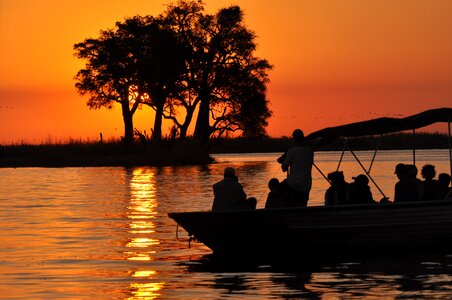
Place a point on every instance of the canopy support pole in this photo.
(414, 147)
(320, 171)
(375, 154)
(342, 154)
(367, 173)
(450, 147)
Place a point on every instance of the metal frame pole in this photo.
(342, 154)
(367, 173)
(375, 154)
(414, 147)
(450, 146)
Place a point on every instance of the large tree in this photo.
(138, 62)
(180, 61)
(223, 78)
(160, 63)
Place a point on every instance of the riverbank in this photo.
(102, 154)
(174, 152)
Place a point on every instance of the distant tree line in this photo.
(396, 141)
(182, 63)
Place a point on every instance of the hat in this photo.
(400, 168)
(229, 172)
(361, 178)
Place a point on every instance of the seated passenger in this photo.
(428, 172)
(412, 173)
(229, 194)
(443, 190)
(336, 194)
(275, 196)
(359, 191)
(407, 188)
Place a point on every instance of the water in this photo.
(86, 233)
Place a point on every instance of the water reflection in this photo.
(84, 233)
(142, 213)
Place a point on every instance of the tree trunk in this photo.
(184, 127)
(157, 134)
(127, 117)
(202, 128)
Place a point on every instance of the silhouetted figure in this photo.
(412, 173)
(276, 195)
(443, 190)
(297, 162)
(100, 137)
(337, 193)
(359, 191)
(229, 194)
(428, 172)
(407, 188)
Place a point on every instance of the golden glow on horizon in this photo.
(335, 62)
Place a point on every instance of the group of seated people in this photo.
(229, 193)
(341, 192)
(411, 188)
(408, 188)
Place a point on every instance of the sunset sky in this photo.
(334, 62)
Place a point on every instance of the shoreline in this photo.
(187, 152)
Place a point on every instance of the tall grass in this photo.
(74, 152)
(112, 153)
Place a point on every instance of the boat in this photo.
(364, 229)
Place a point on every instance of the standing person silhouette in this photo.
(297, 162)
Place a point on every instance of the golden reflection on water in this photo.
(145, 290)
(142, 213)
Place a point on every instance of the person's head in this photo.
(229, 172)
(273, 184)
(400, 170)
(411, 171)
(444, 179)
(336, 177)
(428, 171)
(298, 136)
(361, 179)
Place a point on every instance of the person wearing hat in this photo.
(336, 194)
(229, 194)
(359, 192)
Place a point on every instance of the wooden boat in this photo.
(424, 227)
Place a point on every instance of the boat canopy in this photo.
(383, 125)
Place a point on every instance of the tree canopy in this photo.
(180, 62)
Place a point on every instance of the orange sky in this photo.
(334, 62)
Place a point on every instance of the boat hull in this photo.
(423, 227)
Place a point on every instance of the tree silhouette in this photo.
(220, 61)
(178, 62)
(109, 76)
(160, 63)
(138, 62)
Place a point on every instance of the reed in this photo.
(112, 153)
(78, 153)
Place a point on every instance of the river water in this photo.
(87, 233)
